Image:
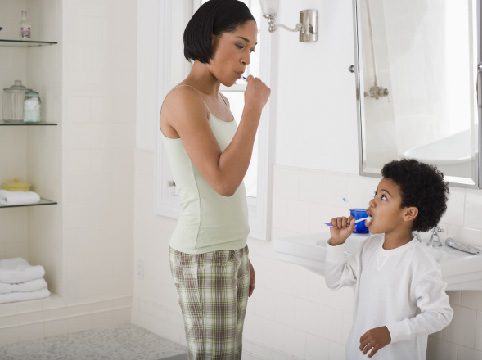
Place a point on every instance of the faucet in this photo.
(417, 236)
(376, 92)
(434, 238)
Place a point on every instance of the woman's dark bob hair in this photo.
(212, 19)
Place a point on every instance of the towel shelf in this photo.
(21, 123)
(41, 202)
(25, 43)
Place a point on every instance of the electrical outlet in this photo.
(172, 188)
(140, 269)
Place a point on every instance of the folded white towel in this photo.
(23, 296)
(34, 285)
(18, 197)
(18, 270)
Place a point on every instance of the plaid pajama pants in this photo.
(212, 291)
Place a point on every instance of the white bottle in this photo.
(25, 28)
(31, 111)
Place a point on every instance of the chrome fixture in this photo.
(458, 245)
(307, 27)
(375, 91)
(434, 238)
(478, 86)
(417, 237)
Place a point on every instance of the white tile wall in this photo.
(462, 329)
(471, 299)
(98, 140)
(473, 209)
(441, 349)
(478, 330)
(455, 207)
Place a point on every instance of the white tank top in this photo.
(208, 221)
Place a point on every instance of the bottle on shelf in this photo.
(31, 107)
(25, 28)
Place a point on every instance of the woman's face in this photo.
(232, 53)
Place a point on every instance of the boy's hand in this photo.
(341, 228)
(374, 339)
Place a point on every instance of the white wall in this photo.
(13, 140)
(99, 92)
(317, 74)
(154, 302)
(86, 163)
(292, 315)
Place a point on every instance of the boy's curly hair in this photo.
(421, 185)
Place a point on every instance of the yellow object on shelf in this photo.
(16, 185)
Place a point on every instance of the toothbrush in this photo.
(356, 221)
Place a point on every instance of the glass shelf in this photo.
(21, 123)
(41, 202)
(25, 43)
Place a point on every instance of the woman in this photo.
(209, 158)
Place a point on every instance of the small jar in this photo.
(13, 102)
(31, 107)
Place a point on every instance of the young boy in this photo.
(399, 294)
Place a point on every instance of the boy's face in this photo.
(385, 210)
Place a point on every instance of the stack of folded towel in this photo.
(8, 197)
(20, 281)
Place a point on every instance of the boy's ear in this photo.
(410, 213)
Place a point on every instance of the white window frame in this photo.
(259, 208)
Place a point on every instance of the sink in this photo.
(461, 271)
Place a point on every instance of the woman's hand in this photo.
(257, 93)
(252, 278)
(341, 229)
(374, 339)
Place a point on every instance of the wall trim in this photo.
(51, 318)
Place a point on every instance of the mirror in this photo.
(416, 66)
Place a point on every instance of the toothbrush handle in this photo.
(356, 221)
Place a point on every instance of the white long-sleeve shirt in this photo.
(401, 289)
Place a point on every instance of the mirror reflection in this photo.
(417, 75)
